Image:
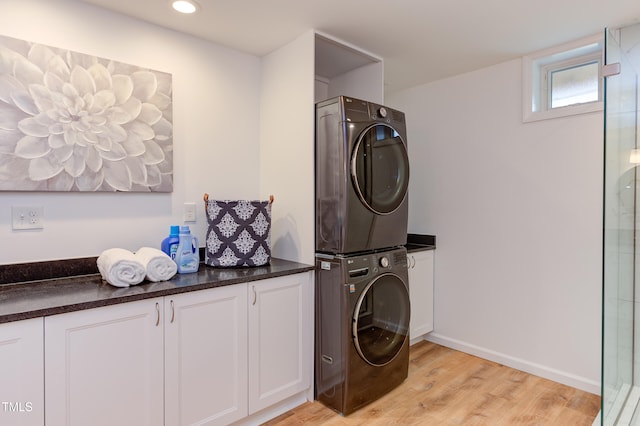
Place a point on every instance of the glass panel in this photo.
(574, 85)
(380, 167)
(620, 228)
(382, 324)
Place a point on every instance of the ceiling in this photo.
(420, 40)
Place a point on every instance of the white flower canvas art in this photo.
(75, 122)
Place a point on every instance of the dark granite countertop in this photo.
(24, 300)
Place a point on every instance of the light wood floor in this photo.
(447, 387)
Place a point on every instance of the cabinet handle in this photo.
(173, 312)
(255, 295)
(414, 262)
(157, 314)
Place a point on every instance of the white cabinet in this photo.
(22, 373)
(280, 339)
(104, 366)
(421, 292)
(206, 356)
(343, 69)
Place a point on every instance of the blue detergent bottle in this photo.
(170, 244)
(188, 253)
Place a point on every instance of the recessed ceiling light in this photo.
(184, 6)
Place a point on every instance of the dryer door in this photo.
(380, 168)
(381, 319)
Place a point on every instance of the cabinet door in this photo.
(421, 292)
(280, 339)
(104, 366)
(22, 373)
(206, 356)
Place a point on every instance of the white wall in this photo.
(517, 211)
(365, 83)
(287, 124)
(216, 94)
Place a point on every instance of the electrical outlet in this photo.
(189, 212)
(31, 217)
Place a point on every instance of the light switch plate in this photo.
(27, 217)
(189, 212)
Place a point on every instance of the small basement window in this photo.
(564, 80)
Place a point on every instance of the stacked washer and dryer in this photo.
(362, 293)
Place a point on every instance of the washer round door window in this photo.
(381, 320)
(380, 168)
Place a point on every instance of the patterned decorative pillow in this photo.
(238, 233)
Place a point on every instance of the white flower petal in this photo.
(60, 116)
(70, 92)
(53, 82)
(25, 102)
(114, 131)
(166, 167)
(57, 140)
(44, 168)
(58, 67)
(134, 145)
(41, 96)
(92, 138)
(72, 137)
(9, 139)
(150, 114)
(75, 165)
(7, 58)
(145, 85)
(96, 122)
(137, 169)
(60, 182)
(93, 160)
(8, 86)
(79, 126)
(116, 153)
(82, 81)
(160, 100)
(40, 55)
(141, 129)
(102, 100)
(12, 168)
(117, 174)
(26, 72)
(163, 129)
(153, 154)
(164, 82)
(31, 127)
(153, 176)
(104, 144)
(77, 59)
(10, 116)
(57, 128)
(122, 87)
(63, 153)
(119, 115)
(165, 185)
(32, 147)
(90, 180)
(133, 106)
(101, 76)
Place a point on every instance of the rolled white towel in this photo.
(158, 265)
(120, 267)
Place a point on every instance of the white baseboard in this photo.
(565, 378)
(274, 411)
